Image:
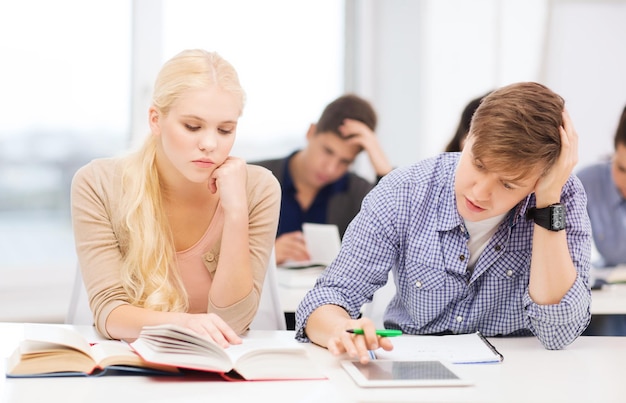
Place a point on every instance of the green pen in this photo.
(379, 332)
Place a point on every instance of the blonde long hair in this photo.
(149, 274)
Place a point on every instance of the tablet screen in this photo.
(403, 373)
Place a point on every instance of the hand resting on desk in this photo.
(332, 333)
(291, 247)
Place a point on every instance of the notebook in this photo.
(470, 348)
(323, 242)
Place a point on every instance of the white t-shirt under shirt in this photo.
(480, 233)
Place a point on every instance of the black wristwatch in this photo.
(551, 217)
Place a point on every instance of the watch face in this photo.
(557, 219)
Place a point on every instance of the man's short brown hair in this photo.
(516, 129)
(347, 106)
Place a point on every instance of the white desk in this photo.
(591, 369)
(610, 300)
(293, 284)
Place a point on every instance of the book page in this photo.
(456, 348)
(120, 354)
(180, 347)
(114, 352)
(56, 335)
(33, 357)
(288, 360)
(254, 358)
(50, 348)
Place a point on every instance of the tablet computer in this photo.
(391, 373)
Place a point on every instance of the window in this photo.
(289, 56)
(66, 84)
(65, 89)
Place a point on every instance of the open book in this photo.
(254, 359)
(471, 348)
(53, 350)
(322, 241)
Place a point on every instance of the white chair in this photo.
(270, 315)
(79, 312)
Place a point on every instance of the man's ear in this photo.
(311, 132)
(154, 120)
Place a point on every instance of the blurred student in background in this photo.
(605, 184)
(317, 186)
(179, 231)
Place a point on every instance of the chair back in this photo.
(270, 315)
(375, 310)
(79, 312)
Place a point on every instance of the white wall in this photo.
(422, 61)
(585, 62)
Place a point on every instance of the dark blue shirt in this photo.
(292, 215)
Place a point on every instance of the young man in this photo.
(477, 241)
(316, 184)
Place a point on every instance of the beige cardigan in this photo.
(101, 238)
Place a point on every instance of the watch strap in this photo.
(551, 218)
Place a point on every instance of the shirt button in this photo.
(418, 284)
(459, 319)
(462, 258)
(210, 257)
(509, 272)
(497, 248)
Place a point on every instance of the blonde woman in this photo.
(179, 231)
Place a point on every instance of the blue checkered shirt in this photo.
(409, 224)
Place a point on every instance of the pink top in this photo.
(194, 273)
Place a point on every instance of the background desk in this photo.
(293, 284)
(609, 300)
(591, 369)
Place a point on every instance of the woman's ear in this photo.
(154, 120)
